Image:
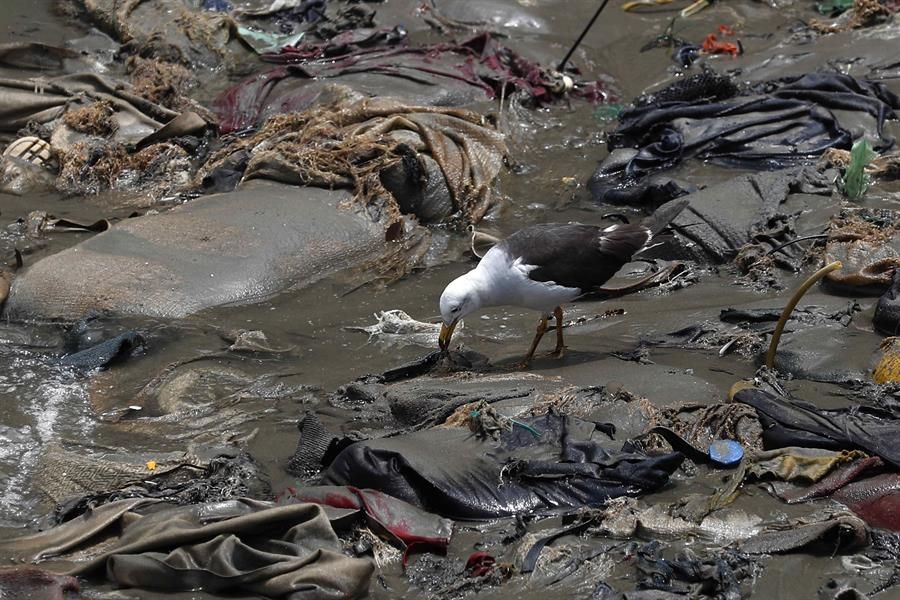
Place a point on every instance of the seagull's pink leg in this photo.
(539, 333)
(560, 346)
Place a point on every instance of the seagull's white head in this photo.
(460, 298)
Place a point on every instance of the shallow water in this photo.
(41, 404)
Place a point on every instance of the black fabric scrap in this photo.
(678, 443)
(776, 125)
(717, 230)
(794, 423)
(450, 472)
(105, 353)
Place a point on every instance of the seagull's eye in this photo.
(455, 309)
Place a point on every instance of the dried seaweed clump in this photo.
(94, 119)
(309, 148)
(159, 169)
(865, 13)
(849, 227)
(161, 82)
(349, 145)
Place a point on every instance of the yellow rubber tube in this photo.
(792, 304)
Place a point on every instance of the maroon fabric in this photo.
(479, 564)
(410, 525)
(480, 62)
(834, 481)
(876, 500)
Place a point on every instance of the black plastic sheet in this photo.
(776, 125)
(451, 472)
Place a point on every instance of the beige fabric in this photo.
(238, 545)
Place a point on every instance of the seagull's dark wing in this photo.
(576, 256)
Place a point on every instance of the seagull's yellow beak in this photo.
(446, 333)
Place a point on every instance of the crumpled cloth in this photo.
(837, 533)
(104, 353)
(795, 423)
(239, 545)
(98, 127)
(802, 465)
(43, 100)
(554, 461)
(435, 162)
(778, 124)
(166, 29)
(712, 230)
(411, 526)
(452, 74)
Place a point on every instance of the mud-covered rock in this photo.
(209, 252)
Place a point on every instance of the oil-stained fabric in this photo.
(776, 125)
(865, 240)
(713, 229)
(794, 423)
(239, 545)
(167, 29)
(207, 252)
(556, 461)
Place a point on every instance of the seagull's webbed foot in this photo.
(522, 365)
(539, 333)
(557, 352)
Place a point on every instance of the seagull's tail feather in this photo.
(664, 215)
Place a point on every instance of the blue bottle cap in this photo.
(726, 453)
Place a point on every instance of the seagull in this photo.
(542, 267)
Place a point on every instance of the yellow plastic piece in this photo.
(888, 368)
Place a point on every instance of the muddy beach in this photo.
(226, 228)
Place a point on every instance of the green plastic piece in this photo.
(607, 112)
(832, 8)
(856, 182)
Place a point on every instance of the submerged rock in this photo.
(221, 249)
